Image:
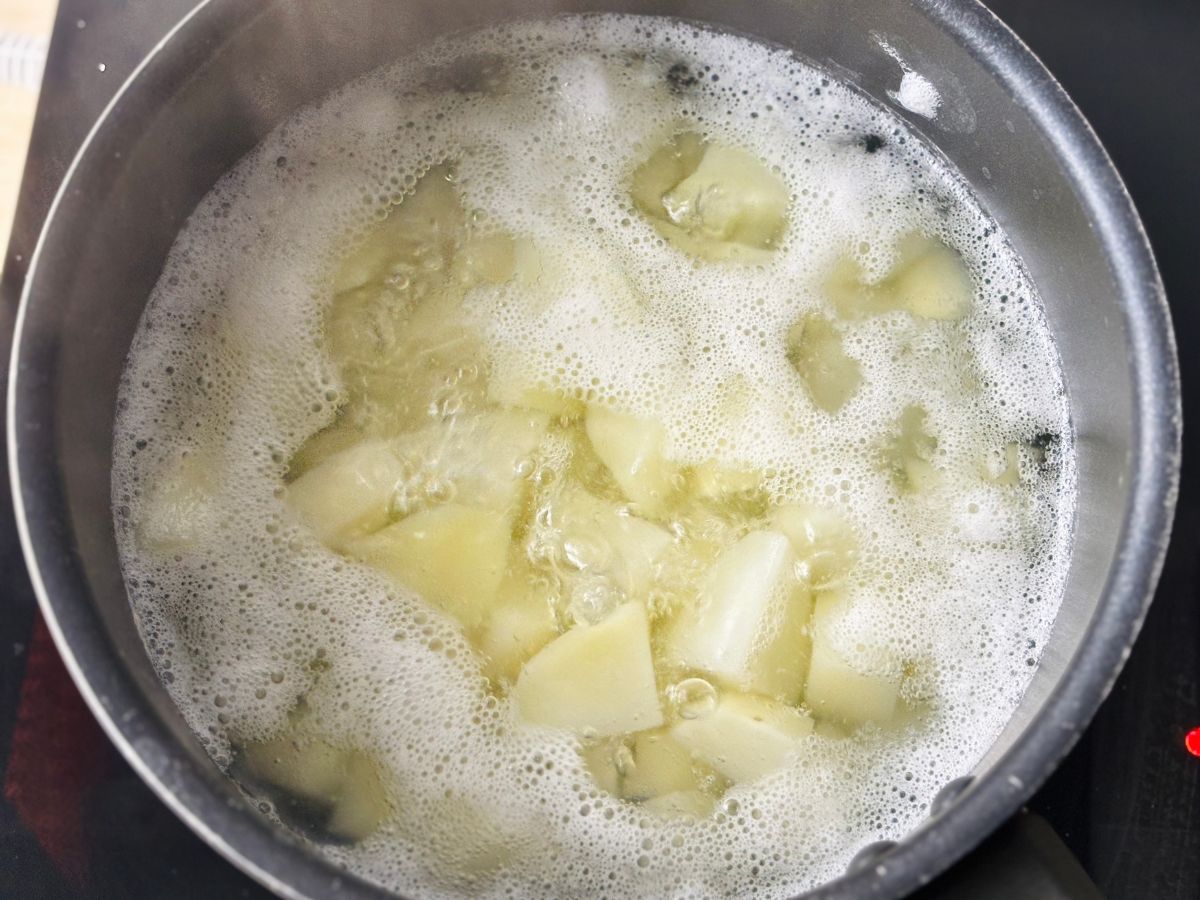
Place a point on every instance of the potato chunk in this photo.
(821, 538)
(396, 329)
(745, 737)
(453, 556)
(909, 452)
(815, 350)
(597, 536)
(595, 679)
(519, 625)
(836, 689)
(178, 511)
(632, 449)
(342, 784)
(349, 494)
(660, 765)
(428, 223)
(713, 201)
(747, 626)
(928, 280)
(474, 459)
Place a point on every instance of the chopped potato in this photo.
(745, 737)
(474, 459)
(1004, 470)
(537, 398)
(396, 329)
(909, 451)
(519, 625)
(712, 481)
(633, 449)
(822, 540)
(660, 765)
(341, 435)
(713, 201)
(343, 784)
(406, 365)
(453, 556)
(599, 536)
(928, 280)
(178, 511)
(595, 679)
(836, 689)
(601, 760)
(427, 223)
(747, 627)
(349, 494)
(814, 348)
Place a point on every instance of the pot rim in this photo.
(284, 865)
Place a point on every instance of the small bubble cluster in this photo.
(243, 611)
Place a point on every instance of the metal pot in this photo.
(232, 70)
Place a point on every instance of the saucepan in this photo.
(233, 69)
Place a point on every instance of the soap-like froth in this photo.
(245, 611)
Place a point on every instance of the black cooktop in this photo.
(75, 822)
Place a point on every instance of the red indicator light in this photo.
(1192, 742)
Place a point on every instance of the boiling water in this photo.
(949, 454)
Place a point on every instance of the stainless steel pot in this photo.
(234, 69)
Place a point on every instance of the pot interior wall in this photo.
(241, 68)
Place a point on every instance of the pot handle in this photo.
(1025, 859)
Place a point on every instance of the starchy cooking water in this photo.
(594, 457)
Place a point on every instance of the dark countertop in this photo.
(75, 822)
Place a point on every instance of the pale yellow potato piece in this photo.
(496, 258)
(519, 625)
(928, 280)
(1004, 471)
(712, 201)
(598, 536)
(666, 167)
(396, 330)
(711, 480)
(453, 556)
(405, 365)
(822, 539)
(661, 765)
(633, 450)
(815, 349)
(537, 398)
(836, 689)
(306, 767)
(595, 680)
(333, 439)
(476, 458)
(426, 223)
(909, 452)
(747, 626)
(349, 494)
(682, 805)
(731, 196)
(600, 760)
(178, 511)
(745, 737)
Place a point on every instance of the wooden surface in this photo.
(17, 103)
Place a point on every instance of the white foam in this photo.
(227, 366)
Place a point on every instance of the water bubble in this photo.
(693, 698)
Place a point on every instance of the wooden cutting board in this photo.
(17, 104)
